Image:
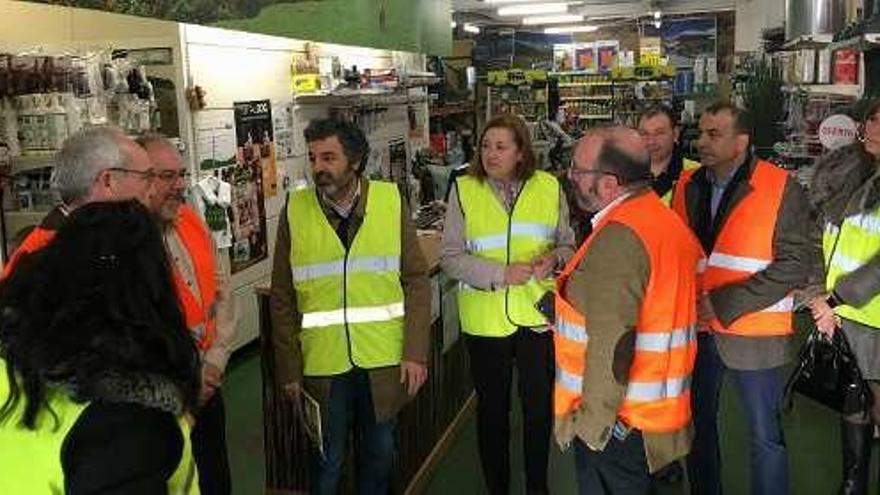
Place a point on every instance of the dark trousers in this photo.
(351, 404)
(620, 469)
(208, 438)
(760, 393)
(492, 360)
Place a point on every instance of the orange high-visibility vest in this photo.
(200, 314)
(36, 240)
(745, 247)
(657, 396)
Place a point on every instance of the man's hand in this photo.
(517, 273)
(212, 378)
(823, 316)
(705, 311)
(413, 375)
(542, 266)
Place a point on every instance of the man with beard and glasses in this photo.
(202, 280)
(623, 399)
(350, 303)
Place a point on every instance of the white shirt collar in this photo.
(604, 211)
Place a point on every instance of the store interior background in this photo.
(456, 62)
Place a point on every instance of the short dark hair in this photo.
(742, 120)
(629, 170)
(521, 136)
(354, 142)
(660, 110)
(98, 301)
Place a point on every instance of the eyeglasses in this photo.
(170, 175)
(143, 174)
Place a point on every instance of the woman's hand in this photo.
(823, 316)
(542, 266)
(517, 273)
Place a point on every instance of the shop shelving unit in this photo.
(595, 99)
(518, 92)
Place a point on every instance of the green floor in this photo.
(811, 433)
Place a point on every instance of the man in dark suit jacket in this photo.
(751, 218)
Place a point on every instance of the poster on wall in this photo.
(585, 57)
(254, 155)
(607, 55)
(686, 40)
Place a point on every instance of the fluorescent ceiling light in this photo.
(552, 19)
(453, 24)
(534, 8)
(571, 29)
(470, 28)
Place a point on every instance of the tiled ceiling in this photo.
(482, 13)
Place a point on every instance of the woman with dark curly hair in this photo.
(97, 367)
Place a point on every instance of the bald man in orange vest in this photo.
(625, 332)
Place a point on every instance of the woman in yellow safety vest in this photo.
(97, 367)
(845, 192)
(506, 230)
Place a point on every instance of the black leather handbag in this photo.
(827, 372)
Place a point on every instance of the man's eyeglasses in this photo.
(170, 175)
(143, 174)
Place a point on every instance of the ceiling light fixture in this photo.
(657, 14)
(453, 24)
(571, 29)
(534, 8)
(552, 19)
(470, 28)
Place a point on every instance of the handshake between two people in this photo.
(539, 268)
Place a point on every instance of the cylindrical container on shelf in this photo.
(805, 17)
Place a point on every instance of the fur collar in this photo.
(147, 390)
(846, 181)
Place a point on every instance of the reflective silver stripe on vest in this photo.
(831, 229)
(364, 314)
(701, 265)
(665, 341)
(372, 264)
(569, 381)
(865, 221)
(571, 331)
(738, 263)
(846, 263)
(517, 229)
(652, 391)
(784, 305)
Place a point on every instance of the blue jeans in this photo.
(351, 403)
(760, 393)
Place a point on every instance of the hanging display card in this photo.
(254, 151)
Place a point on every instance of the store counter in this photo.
(425, 425)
